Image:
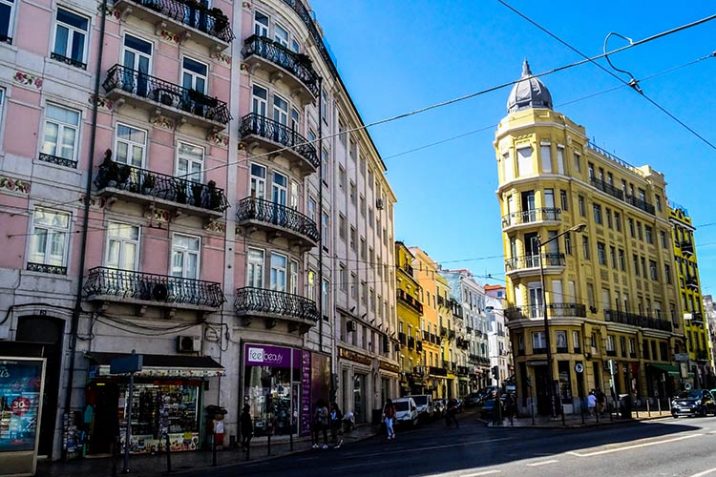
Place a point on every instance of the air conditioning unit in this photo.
(188, 344)
(351, 325)
(379, 204)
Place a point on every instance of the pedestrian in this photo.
(451, 413)
(592, 402)
(335, 418)
(320, 424)
(510, 408)
(601, 401)
(246, 428)
(389, 418)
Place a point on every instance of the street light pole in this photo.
(552, 393)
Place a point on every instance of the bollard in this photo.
(169, 453)
(648, 409)
(581, 408)
(213, 450)
(269, 443)
(290, 440)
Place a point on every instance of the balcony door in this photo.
(531, 251)
(137, 60)
(122, 246)
(190, 162)
(278, 272)
(185, 256)
(194, 75)
(534, 300)
(130, 145)
(279, 197)
(255, 268)
(528, 206)
(259, 101)
(280, 117)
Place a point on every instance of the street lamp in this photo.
(551, 391)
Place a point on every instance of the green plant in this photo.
(149, 182)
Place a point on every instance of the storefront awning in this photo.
(665, 368)
(161, 365)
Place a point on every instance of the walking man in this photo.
(592, 402)
(335, 418)
(320, 424)
(247, 429)
(389, 419)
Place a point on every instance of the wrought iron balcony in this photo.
(435, 371)
(554, 310)
(607, 187)
(130, 287)
(276, 220)
(47, 268)
(692, 283)
(274, 136)
(530, 263)
(410, 301)
(67, 60)
(687, 248)
(567, 310)
(640, 321)
(640, 204)
(544, 214)
(273, 306)
(140, 89)
(278, 60)
(141, 185)
(190, 19)
(60, 161)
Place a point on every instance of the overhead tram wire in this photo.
(633, 83)
(475, 94)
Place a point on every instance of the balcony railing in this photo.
(567, 309)
(104, 282)
(411, 342)
(275, 305)
(410, 301)
(132, 179)
(166, 94)
(254, 124)
(640, 204)
(532, 261)
(553, 310)
(47, 268)
(402, 338)
(687, 248)
(264, 211)
(530, 216)
(625, 318)
(211, 21)
(295, 63)
(608, 188)
(692, 282)
(435, 371)
(60, 161)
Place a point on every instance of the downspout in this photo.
(85, 220)
(320, 211)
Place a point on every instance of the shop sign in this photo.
(353, 356)
(389, 367)
(20, 401)
(273, 356)
(305, 393)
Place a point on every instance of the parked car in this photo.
(472, 400)
(488, 408)
(426, 408)
(406, 411)
(696, 402)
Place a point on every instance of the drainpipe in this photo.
(85, 221)
(320, 218)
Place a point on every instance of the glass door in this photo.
(137, 60)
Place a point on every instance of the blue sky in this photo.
(398, 55)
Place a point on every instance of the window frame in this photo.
(123, 241)
(72, 31)
(71, 161)
(175, 248)
(51, 231)
(10, 23)
(130, 144)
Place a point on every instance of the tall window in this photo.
(538, 341)
(49, 240)
(261, 24)
(185, 256)
(122, 246)
(279, 188)
(560, 159)
(294, 277)
(280, 35)
(61, 133)
(577, 162)
(190, 162)
(585, 247)
(601, 253)
(258, 183)
(280, 110)
(137, 58)
(597, 213)
(71, 38)
(259, 100)
(524, 161)
(255, 268)
(278, 272)
(7, 12)
(130, 146)
(582, 206)
(546, 156)
(194, 75)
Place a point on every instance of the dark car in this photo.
(473, 399)
(697, 402)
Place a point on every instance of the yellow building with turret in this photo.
(696, 327)
(610, 304)
(410, 310)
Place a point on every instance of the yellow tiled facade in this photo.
(607, 290)
(409, 309)
(696, 326)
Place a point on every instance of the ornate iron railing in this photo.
(67, 60)
(410, 301)
(174, 189)
(305, 14)
(435, 371)
(166, 93)
(532, 261)
(104, 281)
(687, 248)
(46, 268)
(640, 204)
(533, 215)
(567, 309)
(608, 188)
(211, 21)
(261, 300)
(553, 310)
(272, 213)
(625, 318)
(60, 161)
(255, 124)
(295, 63)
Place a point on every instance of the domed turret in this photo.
(528, 93)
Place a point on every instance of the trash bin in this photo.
(625, 406)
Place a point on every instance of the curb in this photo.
(573, 426)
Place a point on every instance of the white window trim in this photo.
(267, 26)
(124, 48)
(56, 22)
(11, 21)
(177, 173)
(263, 267)
(66, 246)
(138, 242)
(75, 152)
(144, 147)
(175, 248)
(193, 73)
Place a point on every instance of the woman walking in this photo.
(389, 419)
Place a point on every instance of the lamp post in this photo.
(551, 391)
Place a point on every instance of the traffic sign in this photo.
(579, 367)
(131, 363)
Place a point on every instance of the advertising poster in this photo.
(20, 392)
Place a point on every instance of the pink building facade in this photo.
(179, 179)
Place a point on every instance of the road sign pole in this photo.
(128, 430)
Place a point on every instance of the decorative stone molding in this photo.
(223, 58)
(157, 216)
(27, 79)
(215, 226)
(162, 122)
(9, 184)
(218, 139)
(177, 38)
(101, 101)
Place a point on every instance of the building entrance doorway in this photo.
(541, 390)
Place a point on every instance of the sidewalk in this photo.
(156, 465)
(575, 421)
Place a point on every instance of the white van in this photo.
(406, 411)
(426, 408)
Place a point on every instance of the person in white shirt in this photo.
(591, 403)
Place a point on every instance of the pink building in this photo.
(190, 181)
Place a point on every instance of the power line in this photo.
(632, 83)
(472, 95)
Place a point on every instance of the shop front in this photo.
(280, 385)
(167, 400)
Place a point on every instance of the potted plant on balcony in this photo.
(181, 192)
(197, 191)
(221, 21)
(148, 185)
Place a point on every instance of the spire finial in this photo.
(526, 69)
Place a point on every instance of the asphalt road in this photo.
(666, 447)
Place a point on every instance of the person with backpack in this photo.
(320, 424)
(389, 418)
(335, 418)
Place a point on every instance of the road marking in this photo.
(705, 472)
(421, 449)
(484, 472)
(635, 446)
(544, 462)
